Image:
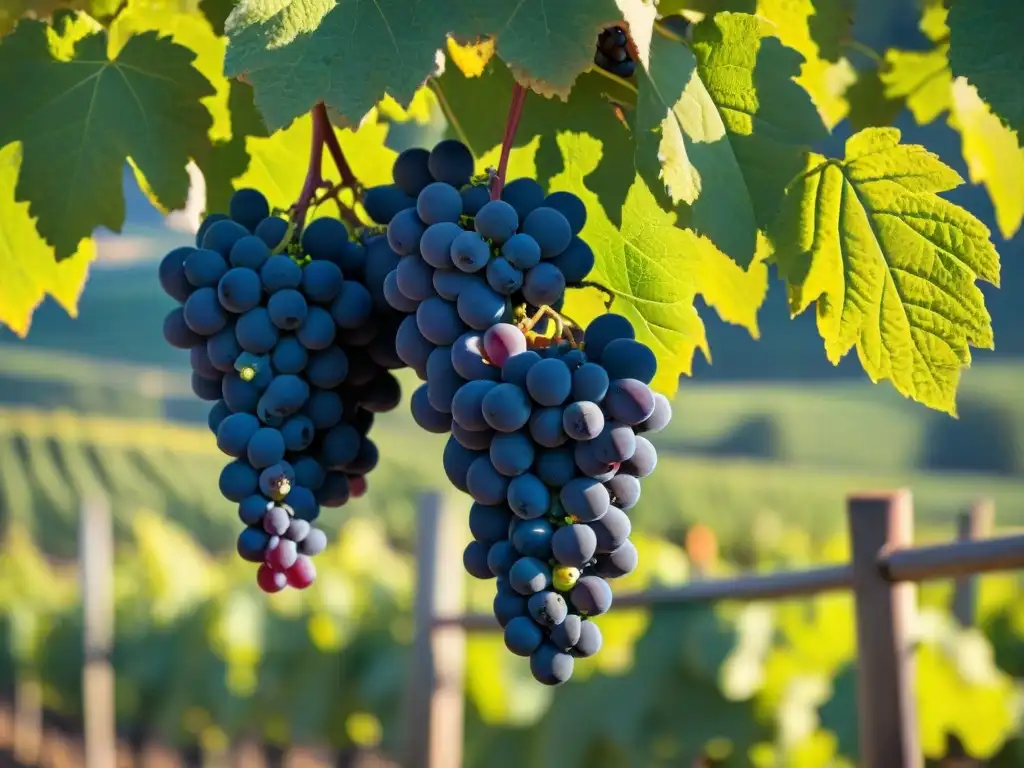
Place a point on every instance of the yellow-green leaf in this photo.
(30, 272)
(993, 154)
(921, 78)
(655, 270)
(891, 266)
(770, 119)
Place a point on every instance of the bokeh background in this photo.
(764, 446)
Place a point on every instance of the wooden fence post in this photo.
(976, 523)
(973, 524)
(247, 752)
(885, 695)
(28, 735)
(435, 713)
(96, 556)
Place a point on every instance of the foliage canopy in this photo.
(700, 173)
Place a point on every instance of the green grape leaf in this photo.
(993, 154)
(770, 119)
(291, 51)
(984, 47)
(725, 128)
(187, 29)
(891, 265)
(734, 174)
(919, 78)
(81, 114)
(26, 261)
(682, 147)
(654, 270)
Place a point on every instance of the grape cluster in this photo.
(550, 444)
(612, 54)
(292, 340)
(463, 262)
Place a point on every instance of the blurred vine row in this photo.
(202, 658)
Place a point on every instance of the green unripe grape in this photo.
(285, 487)
(564, 577)
(248, 373)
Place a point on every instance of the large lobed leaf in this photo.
(816, 29)
(681, 140)
(80, 114)
(985, 47)
(30, 273)
(190, 30)
(349, 53)
(891, 265)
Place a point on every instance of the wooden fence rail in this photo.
(882, 574)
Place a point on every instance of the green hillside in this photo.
(71, 425)
(50, 461)
(832, 425)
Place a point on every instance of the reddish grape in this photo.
(282, 557)
(269, 580)
(357, 486)
(302, 573)
(502, 341)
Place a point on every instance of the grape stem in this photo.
(561, 324)
(323, 136)
(345, 213)
(314, 172)
(348, 178)
(515, 111)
